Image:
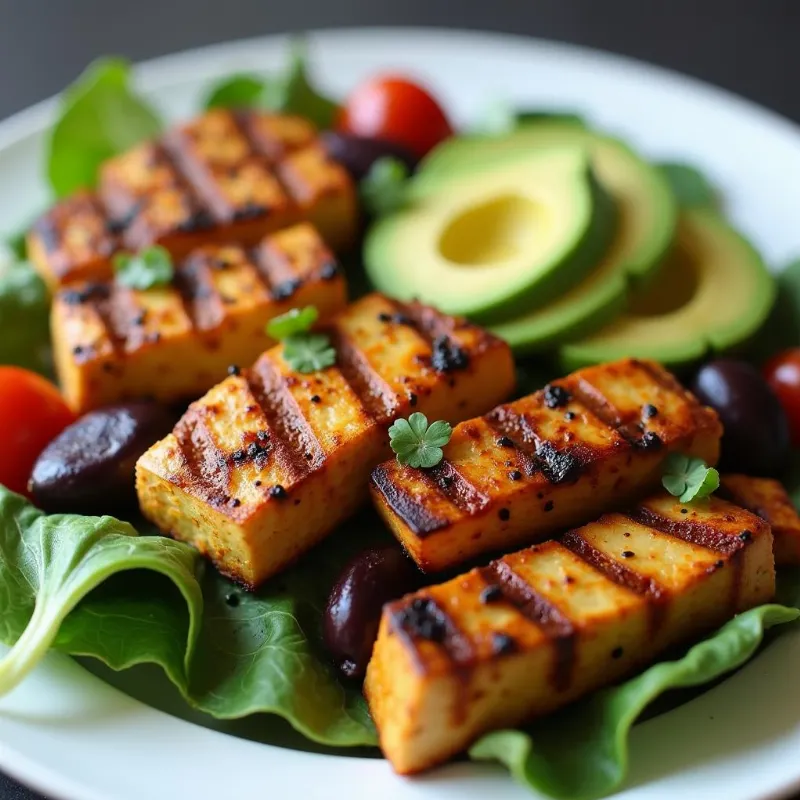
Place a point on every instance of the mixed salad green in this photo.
(116, 591)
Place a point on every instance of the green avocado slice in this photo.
(647, 213)
(502, 236)
(712, 294)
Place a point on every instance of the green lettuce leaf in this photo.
(230, 653)
(238, 91)
(581, 753)
(24, 318)
(100, 116)
(50, 563)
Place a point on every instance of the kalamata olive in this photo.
(373, 577)
(89, 467)
(756, 438)
(358, 153)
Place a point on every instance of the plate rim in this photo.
(156, 74)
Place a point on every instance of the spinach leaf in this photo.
(289, 92)
(238, 91)
(782, 328)
(16, 244)
(50, 563)
(233, 654)
(100, 116)
(690, 186)
(581, 753)
(24, 318)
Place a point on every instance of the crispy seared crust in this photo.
(769, 500)
(588, 443)
(316, 436)
(114, 344)
(220, 178)
(562, 619)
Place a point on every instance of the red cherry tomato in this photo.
(32, 413)
(783, 375)
(395, 109)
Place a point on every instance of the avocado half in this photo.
(647, 214)
(712, 294)
(509, 234)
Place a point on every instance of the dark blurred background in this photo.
(747, 46)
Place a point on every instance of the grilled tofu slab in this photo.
(114, 344)
(270, 461)
(225, 176)
(589, 443)
(769, 500)
(540, 628)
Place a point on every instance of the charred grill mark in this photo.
(416, 517)
(447, 354)
(538, 455)
(291, 436)
(535, 607)
(656, 595)
(525, 459)
(207, 466)
(200, 217)
(377, 398)
(423, 618)
(455, 487)
(595, 402)
(280, 286)
(693, 532)
(195, 285)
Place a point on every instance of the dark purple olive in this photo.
(357, 154)
(374, 577)
(756, 437)
(89, 467)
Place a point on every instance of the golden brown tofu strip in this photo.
(271, 461)
(540, 628)
(769, 500)
(220, 178)
(114, 344)
(587, 443)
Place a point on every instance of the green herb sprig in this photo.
(418, 444)
(146, 269)
(308, 352)
(298, 320)
(689, 478)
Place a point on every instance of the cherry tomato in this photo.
(396, 110)
(783, 375)
(32, 413)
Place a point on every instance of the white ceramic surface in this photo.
(72, 736)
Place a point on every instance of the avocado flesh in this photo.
(712, 294)
(647, 215)
(492, 240)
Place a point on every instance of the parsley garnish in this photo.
(418, 444)
(298, 320)
(385, 187)
(308, 352)
(689, 478)
(147, 269)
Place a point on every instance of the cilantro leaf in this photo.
(298, 320)
(690, 186)
(144, 270)
(383, 189)
(308, 352)
(238, 91)
(100, 116)
(689, 478)
(418, 444)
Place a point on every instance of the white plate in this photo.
(69, 734)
